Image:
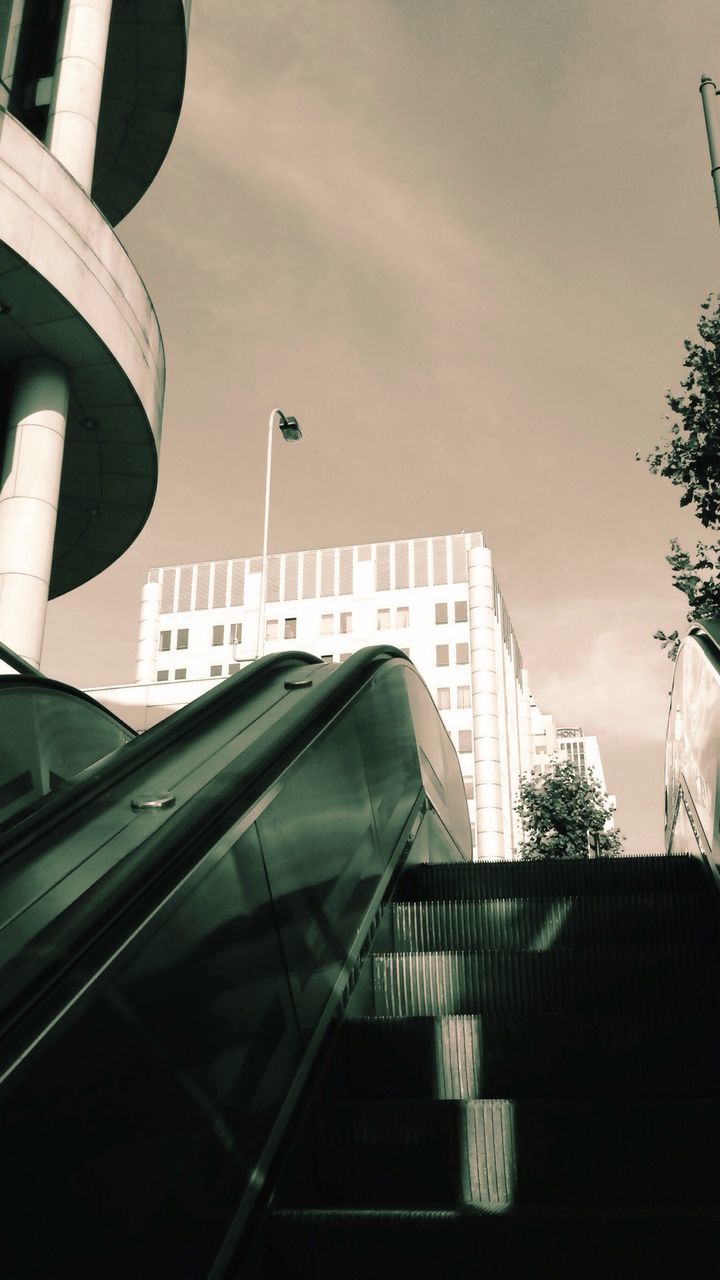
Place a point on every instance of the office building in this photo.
(435, 598)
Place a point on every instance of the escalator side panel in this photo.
(140, 1124)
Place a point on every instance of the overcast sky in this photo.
(463, 241)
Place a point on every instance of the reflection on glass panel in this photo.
(323, 863)
(389, 751)
(160, 1095)
(48, 737)
(693, 737)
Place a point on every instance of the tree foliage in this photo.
(690, 458)
(558, 810)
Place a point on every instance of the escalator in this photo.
(263, 1018)
(183, 915)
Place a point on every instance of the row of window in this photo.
(330, 624)
(182, 636)
(441, 613)
(442, 655)
(234, 634)
(462, 698)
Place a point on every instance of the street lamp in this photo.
(290, 430)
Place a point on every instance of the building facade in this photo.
(90, 94)
(435, 598)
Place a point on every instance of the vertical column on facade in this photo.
(486, 727)
(526, 734)
(77, 89)
(149, 633)
(29, 493)
(503, 723)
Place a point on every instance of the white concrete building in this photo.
(436, 598)
(90, 94)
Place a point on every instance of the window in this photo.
(234, 666)
(406, 652)
(345, 623)
(473, 837)
(164, 641)
(463, 697)
(326, 657)
(291, 628)
(235, 632)
(465, 740)
(272, 629)
(469, 788)
(327, 624)
(442, 655)
(215, 671)
(182, 638)
(383, 619)
(462, 654)
(218, 635)
(441, 614)
(343, 656)
(181, 673)
(461, 611)
(443, 699)
(162, 675)
(402, 617)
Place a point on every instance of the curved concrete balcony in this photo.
(141, 99)
(69, 291)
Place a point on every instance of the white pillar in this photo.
(29, 492)
(148, 634)
(77, 89)
(486, 726)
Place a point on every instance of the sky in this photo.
(463, 242)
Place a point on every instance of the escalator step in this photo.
(539, 924)
(563, 981)
(497, 1155)
(525, 1056)
(422, 1245)
(569, 877)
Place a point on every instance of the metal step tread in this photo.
(497, 1154)
(651, 1054)
(407, 1244)
(540, 923)
(572, 876)
(565, 980)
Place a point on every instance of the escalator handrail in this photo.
(133, 756)
(317, 705)
(21, 665)
(171, 849)
(236, 787)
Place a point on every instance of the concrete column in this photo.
(77, 89)
(29, 492)
(149, 633)
(486, 725)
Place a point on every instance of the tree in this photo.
(559, 809)
(690, 458)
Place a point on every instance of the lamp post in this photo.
(290, 430)
(708, 93)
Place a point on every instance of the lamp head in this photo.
(290, 427)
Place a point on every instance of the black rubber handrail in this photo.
(125, 894)
(135, 755)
